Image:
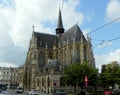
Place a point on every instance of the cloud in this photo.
(112, 10)
(105, 59)
(70, 15)
(5, 64)
(17, 18)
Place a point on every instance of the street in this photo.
(12, 92)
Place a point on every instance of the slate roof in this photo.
(60, 23)
(73, 33)
(43, 39)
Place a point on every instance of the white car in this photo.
(33, 92)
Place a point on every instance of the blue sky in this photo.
(18, 16)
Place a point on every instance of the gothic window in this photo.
(42, 81)
(50, 55)
(38, 82)
(41, 60)
(35, 55)
(48, 81)
(78, 55)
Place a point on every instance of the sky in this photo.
(100, 19)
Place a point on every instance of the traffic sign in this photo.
(86, 81)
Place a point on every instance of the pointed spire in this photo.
(59, 29)
(60, 24)
(33, 33)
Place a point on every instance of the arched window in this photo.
(50, 55)
(48, 81)
(38, 82)
(41, 60)
(42, 81)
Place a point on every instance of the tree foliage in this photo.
(75, 74)
(111, 74)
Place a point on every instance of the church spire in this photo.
(59, 29)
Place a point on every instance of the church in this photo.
(49, 55)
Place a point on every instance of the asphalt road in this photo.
(12, 92)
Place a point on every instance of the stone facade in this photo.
(8, 77)
(49, 55)
(5, 74)
(20, 75)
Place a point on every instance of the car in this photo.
(33, 92)
(108, 91)
(19, 90)
(59, 93)
(116, 91)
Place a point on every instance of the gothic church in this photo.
(49, 55)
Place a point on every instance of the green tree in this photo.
(110, 74)
(76, 73)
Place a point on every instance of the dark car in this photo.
(19, 90)
(59, 93)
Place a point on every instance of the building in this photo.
(49, 55)
(8, 77)
(20, 76)
(5, 75)
(14, 77)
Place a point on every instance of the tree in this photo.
(76, 72)
(111, 74)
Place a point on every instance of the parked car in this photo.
(33, 92)
(59, 93)
(116, 91)
(108, 91)
(19, 90)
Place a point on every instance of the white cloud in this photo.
(38, 11)
(70, 15)
(105, 59)
(5, 64)
(112, 10)
(18, 16)
(90, 16)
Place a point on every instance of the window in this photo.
(38, 82)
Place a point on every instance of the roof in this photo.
(60, 24)
(73, 33)
(48, 40)
(45, 39)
